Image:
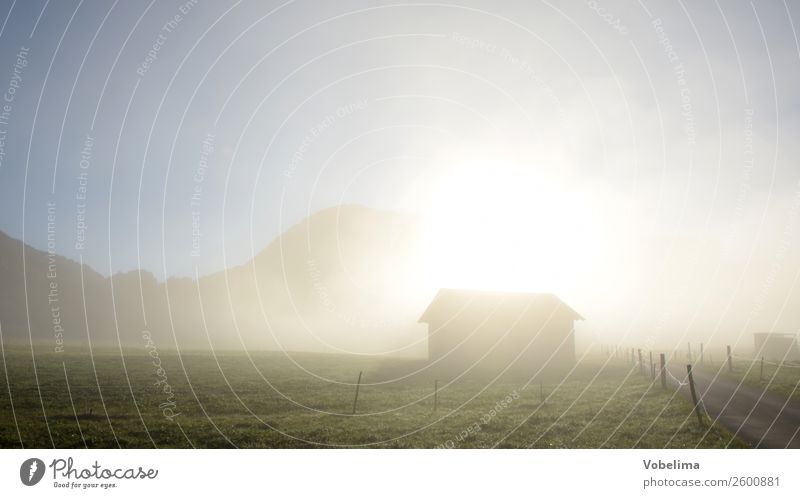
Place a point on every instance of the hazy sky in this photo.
(651, 145)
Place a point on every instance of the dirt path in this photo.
(762, 418)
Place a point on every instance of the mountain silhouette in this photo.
(345, 279)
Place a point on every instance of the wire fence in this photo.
(767, 362)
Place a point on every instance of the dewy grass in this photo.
(271, 401)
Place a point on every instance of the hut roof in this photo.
(450, 302)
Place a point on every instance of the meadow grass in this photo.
(267, 400)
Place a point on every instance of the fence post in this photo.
(652, 367)
(435, 395)
(663, 371)
(730, 361)
(541, 393)
(694, 395)
(689, 350)
(761, 375)
(641, 363)
(358, 386)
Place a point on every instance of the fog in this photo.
(307, 179)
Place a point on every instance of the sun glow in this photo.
(506, 229)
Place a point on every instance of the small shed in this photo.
(777, 347)
(520, 330)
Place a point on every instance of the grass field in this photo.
(780, 378)
(266, 400)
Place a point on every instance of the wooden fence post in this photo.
(652, 367)
(358, 386)
(435, 395)
(730, 361)
(694, 395)
(761, 375)
(663, 371)
(641, 363)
